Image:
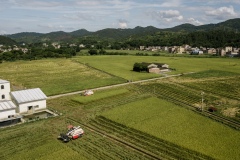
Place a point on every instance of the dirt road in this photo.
(116, 85)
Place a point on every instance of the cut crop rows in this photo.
(226, 88)
(155, 146)
(185, 97)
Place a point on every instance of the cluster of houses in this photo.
(4, 48)
(226, 51)
(15, 104)
(57, 45)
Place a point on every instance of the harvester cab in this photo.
(74, 132)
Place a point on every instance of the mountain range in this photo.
(117, 34)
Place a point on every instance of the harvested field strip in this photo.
(112, 141)
(97, 146)
(173, 92)
(26, 142)
(211, 73)
(156, 146)
(227, 88)
(186, 97)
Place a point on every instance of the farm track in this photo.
(111, 86)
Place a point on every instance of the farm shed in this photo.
(4, 90)
(29, 101)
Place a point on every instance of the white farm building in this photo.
(29, 101)
(4, 90)
(7, 110)
(16, 103)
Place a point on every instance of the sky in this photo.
(44, 16)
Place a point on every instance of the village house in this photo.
(56, 45)
(156, 67)
(181, 50)
(226, 51)
(45, 45)
(82, 46)
(142, 47)
(73, 45)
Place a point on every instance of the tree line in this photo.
(210, 39)
(36, 52)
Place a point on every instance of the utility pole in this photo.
(202, 93)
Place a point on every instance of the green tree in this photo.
(93, 52)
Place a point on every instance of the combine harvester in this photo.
(72, 133)
(88, 93)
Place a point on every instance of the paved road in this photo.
(116, 85)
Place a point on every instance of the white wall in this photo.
(5, 91)
(5, 114)
(165, 65)
(23, 108)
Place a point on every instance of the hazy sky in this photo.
(68, 15)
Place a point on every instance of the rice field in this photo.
(122, 65)
(147, 115)
(54, 76)
(169, 122)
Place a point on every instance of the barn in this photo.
(29, 101)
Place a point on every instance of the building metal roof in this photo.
(28, 95)
(6, 105)
(3, 81)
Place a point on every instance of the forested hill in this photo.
(6, 41)
(229, 25)
(110, 34)
(26, 37)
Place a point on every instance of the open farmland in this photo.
(122, 65)
(179, 126)
(38, 141)
(54, 76)
(150, 120)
